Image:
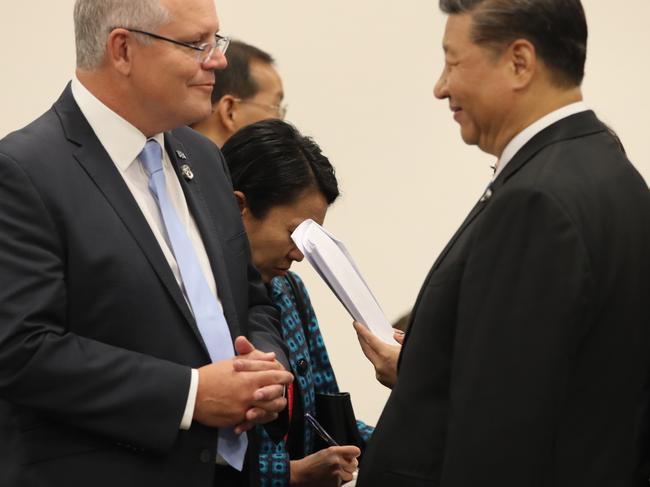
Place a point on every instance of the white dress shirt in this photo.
(123, 143)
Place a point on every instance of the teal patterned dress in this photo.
(313, 371)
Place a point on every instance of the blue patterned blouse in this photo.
(318, 376)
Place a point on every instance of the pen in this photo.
(320, 430)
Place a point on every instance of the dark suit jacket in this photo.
(529, 345)
(96, 339)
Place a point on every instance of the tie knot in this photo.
(151, 157)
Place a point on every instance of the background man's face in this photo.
(474, 81)
(266, 101)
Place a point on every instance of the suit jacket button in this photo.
(206, 456)
(302, 366)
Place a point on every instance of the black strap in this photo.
(301, 306)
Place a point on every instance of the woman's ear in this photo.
(242, 202)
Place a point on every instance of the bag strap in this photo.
(301, 306)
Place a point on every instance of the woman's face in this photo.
(270, 237)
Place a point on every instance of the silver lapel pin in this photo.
(186, 171)
(181, 155)
(487, 195)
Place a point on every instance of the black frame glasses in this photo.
(204, 51)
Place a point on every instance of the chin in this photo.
(469, 139)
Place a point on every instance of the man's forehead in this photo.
(457, 30)
(266, 76)
(200, 13)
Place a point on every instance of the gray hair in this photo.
(94, 19)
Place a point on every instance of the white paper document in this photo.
(331, 260)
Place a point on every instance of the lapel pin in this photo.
(181, 155)
(487, 195)
(186, 171)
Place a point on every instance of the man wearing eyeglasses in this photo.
(125, 279)
(248, 90)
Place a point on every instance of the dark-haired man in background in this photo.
(528, 351)
(248, 90)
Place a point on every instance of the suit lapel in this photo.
(94, 159)
(478, 207)
(578, 125)
(199, 209)
(575, 126)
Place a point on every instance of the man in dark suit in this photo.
(528, 350)
(124, 270)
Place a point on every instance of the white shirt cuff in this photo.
(186, 422)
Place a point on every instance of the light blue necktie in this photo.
(205, 306)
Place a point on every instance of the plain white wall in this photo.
(358, 77)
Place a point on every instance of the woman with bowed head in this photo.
(281, 178)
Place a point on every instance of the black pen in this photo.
(320, 430)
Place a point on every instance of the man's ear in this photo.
(523, 62)
(225, 110)
(119, 50)
(242, 202)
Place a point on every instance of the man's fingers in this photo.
(243, 346)
(261, 415)
(259, 355)
(258, 415)
(271, 377)
(252, 365)
(272, 406)
(268, 393)
(243, 427)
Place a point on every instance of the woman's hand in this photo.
(382, 355)
(326, 468)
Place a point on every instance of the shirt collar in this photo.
(536, 127)
(122, 141)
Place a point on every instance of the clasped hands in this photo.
(243, 391)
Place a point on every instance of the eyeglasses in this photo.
(204, 51)
(279, 110)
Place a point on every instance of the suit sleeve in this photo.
(264, 320)
(44, 366)
(523, 300)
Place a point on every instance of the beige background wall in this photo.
(358, 77)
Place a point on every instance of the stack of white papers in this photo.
(331, 260)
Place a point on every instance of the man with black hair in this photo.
(527, 356)
(248, 90)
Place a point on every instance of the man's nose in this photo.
(440, 88)
(217, 60)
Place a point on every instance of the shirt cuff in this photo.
(186, 421)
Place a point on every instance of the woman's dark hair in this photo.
(273, 164)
